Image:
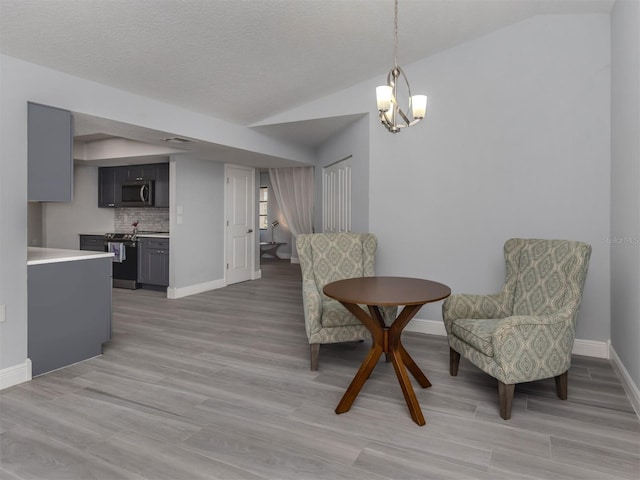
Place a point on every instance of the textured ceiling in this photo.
(245, 60)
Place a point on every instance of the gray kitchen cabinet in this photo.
(92, 242)
(111, 179)
(162, 185)
(109, 193)
(136, 173)
(153, 261)
(69, 311)
(49, 153)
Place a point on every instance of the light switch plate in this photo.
(2, 313)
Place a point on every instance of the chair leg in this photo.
(562, 385)
(505, 392)
(315, 351)
(454, 362)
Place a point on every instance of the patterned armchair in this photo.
(525, 332)
(325, 258)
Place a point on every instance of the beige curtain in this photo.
(293, 189)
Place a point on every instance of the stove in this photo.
(120, 237)
(125, 261)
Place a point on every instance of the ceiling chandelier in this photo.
(391, 115)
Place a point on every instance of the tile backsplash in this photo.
(149, 219)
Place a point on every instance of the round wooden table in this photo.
(376, 292)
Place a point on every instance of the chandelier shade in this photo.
(391, 115)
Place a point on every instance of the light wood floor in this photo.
(217, 386)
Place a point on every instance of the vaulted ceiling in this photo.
(245, 60)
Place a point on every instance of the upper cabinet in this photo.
(137, 173)
(108, 187)
(111, 179)
(50, 154)
(162, 185)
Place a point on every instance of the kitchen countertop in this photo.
(153, 235)
(139, 234)
(39, 256)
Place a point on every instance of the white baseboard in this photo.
(627, 382)
(295, 260)
(256, 275)
(174, 293)
(430, 327)
(16, 374)
(589, 348)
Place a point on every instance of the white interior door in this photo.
(336, 197)
(240, 223)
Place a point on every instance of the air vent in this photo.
(178, 140)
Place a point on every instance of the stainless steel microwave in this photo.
(137, 194)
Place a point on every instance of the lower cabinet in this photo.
(153, 261)
(108, 187)
(69, 312)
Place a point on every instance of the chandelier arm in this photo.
(384, 121)
(404, 117)
(389, 125)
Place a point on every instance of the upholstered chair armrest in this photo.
(529, 321)
(312, 301)
(461, 305)
(532, 347)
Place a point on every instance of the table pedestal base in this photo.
(386, 340)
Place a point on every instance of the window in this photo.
(264, 208)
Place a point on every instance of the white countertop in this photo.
(153, 235)
(39, 256)
(146, 235)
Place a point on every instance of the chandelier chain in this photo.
(395, 35)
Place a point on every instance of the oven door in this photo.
(137, 194)
(125, 273)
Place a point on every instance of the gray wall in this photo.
(35, 226)
(13, 218)
(625, 178)
(197, 244)
(63, 222)
(516, 142)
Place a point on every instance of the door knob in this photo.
(250, 230)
